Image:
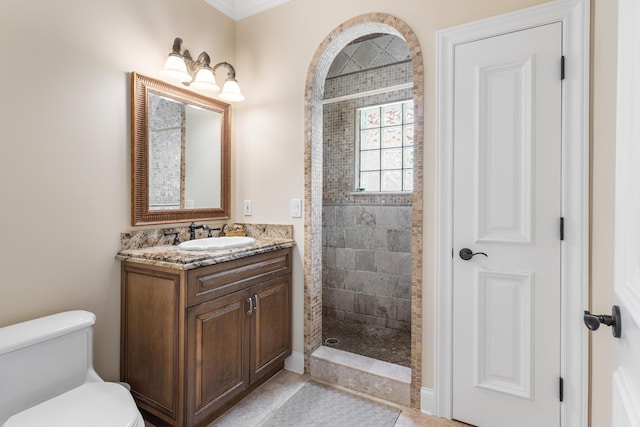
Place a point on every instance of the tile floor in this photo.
(389, 345)
(256, 407)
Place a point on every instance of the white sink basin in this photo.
(216, 243)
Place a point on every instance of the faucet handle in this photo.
(175, 234)
(210, 229)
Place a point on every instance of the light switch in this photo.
(296, 208)
(247, 208)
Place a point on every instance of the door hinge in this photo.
(561, 389)
(562, 68)
(561, 228)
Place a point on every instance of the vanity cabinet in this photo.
(195, 342)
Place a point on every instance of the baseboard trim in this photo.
(427, 400)
(295, 363)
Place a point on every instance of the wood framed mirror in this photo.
(180, 158)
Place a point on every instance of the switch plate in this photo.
(247, 208)
(296, 208)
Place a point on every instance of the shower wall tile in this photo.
(334, 236)
(329, 256)
(355, 317)
(388, 262)
(404, 310)
(399, 240)
(346, 258)
(329, 215)
(365, 304)
(334, 277)
(339, 298)
(365, 260)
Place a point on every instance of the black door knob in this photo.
(466, 254)
(593, 321)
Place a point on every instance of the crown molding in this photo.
(240, 9)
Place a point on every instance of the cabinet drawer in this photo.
(214, 281)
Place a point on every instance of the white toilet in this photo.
(47, 377)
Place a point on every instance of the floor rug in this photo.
(318, 405)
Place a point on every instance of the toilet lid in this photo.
(100, 404)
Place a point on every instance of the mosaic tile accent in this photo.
(391, 75)
(314, 90)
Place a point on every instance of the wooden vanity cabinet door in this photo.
(271, 331)
(151, 339)
(218, 335)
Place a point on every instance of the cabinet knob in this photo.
(255, 304)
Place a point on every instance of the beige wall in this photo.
(64, 150)
(64, 155)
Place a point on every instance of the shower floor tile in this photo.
(389, 345)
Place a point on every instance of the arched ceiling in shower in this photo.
(367, 52)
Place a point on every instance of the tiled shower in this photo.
(366, 291)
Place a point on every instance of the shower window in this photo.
(385, 148)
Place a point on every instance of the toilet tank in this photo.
(44, 357)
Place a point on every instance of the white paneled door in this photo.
(506, 229)
(626, 368)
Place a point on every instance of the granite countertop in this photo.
(174, 257)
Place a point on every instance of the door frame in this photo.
(574, 357)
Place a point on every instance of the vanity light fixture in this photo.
(199, 73)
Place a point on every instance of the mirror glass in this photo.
(180, 154)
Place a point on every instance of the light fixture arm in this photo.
(232, 71)
(204, 60)
(177, 46)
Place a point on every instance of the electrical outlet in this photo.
(247, 208)
(296, 208)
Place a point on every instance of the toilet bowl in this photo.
(48, 378)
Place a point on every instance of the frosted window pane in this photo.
(408, 180)
(392, 181)
(392, 137)
(370, 139)
(408, 112)
(385, 147)
(408, 158)
(392, 159)
(370, 160)
(408, 135)
(370, 118)
(370, 181)
(392, 114)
